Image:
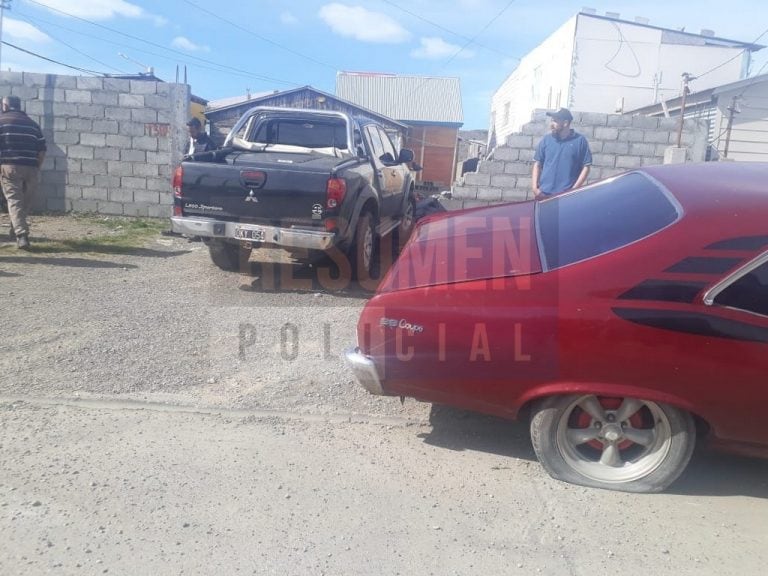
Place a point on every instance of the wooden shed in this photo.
(430, 106)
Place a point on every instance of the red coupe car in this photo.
(627, 319)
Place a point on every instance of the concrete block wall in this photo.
(112, 143)
(618, 143)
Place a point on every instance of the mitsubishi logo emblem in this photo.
(251, 197)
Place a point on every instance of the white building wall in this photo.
(597, 65)
(697, 60)
(642, 65)
(612, 61)
(541, 80)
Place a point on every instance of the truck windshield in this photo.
(308, 134)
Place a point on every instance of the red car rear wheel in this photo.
(615, 443)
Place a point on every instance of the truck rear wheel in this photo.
(363, 252)
(228, 256)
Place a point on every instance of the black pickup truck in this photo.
(303, 180)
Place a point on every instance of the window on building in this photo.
(506, 113)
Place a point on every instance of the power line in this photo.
(755, 78)
(36, 55)
(252, 33)
(623, 41)
(763, 33)
(467, 43)
(26, 19)
(483, 29)
(734, 57)
(221, 67)
(4, 5)
(444, 29)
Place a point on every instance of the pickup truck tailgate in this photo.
(267, 185)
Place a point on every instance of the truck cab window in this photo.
(359, 148)
(375, 139)
(388, 156)
(302, 133)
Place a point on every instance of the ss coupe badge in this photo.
(403, 324)
(251, 197)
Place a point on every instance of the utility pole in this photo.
(732, 109)
(686, 78)
(4, 5)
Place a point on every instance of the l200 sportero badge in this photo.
(196, 206)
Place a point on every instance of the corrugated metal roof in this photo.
(234, 100)
(404, 98)
(303, 97)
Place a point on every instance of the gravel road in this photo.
(163, 324)
(156, 418)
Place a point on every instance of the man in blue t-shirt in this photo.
(562, 158)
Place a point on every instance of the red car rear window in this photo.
(604, 217)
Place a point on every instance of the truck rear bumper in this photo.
(286, 237)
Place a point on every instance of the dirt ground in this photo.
(55, 227)
(155, 418)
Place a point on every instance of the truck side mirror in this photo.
(405, 156)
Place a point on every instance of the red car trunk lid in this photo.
(476, 244)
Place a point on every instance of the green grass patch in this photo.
(91, 234)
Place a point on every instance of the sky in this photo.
(230, 48)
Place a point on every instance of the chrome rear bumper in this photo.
(364, 370)
(288, 237)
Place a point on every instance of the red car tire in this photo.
(623, 444)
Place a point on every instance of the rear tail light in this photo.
(335, 191)
(253, 178)
(177, 211)
(178, 176)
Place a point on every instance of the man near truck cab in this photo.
(199, 140)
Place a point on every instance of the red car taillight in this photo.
(335, 191)
(178, 175)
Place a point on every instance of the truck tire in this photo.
(228, 256)
(362, 253)
(403, 232)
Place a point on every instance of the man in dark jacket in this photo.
(22, 149)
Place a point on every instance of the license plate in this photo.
(253, 234)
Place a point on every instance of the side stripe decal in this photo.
(742, 243)
(698, 265)
(664, 291)
(695, 323)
